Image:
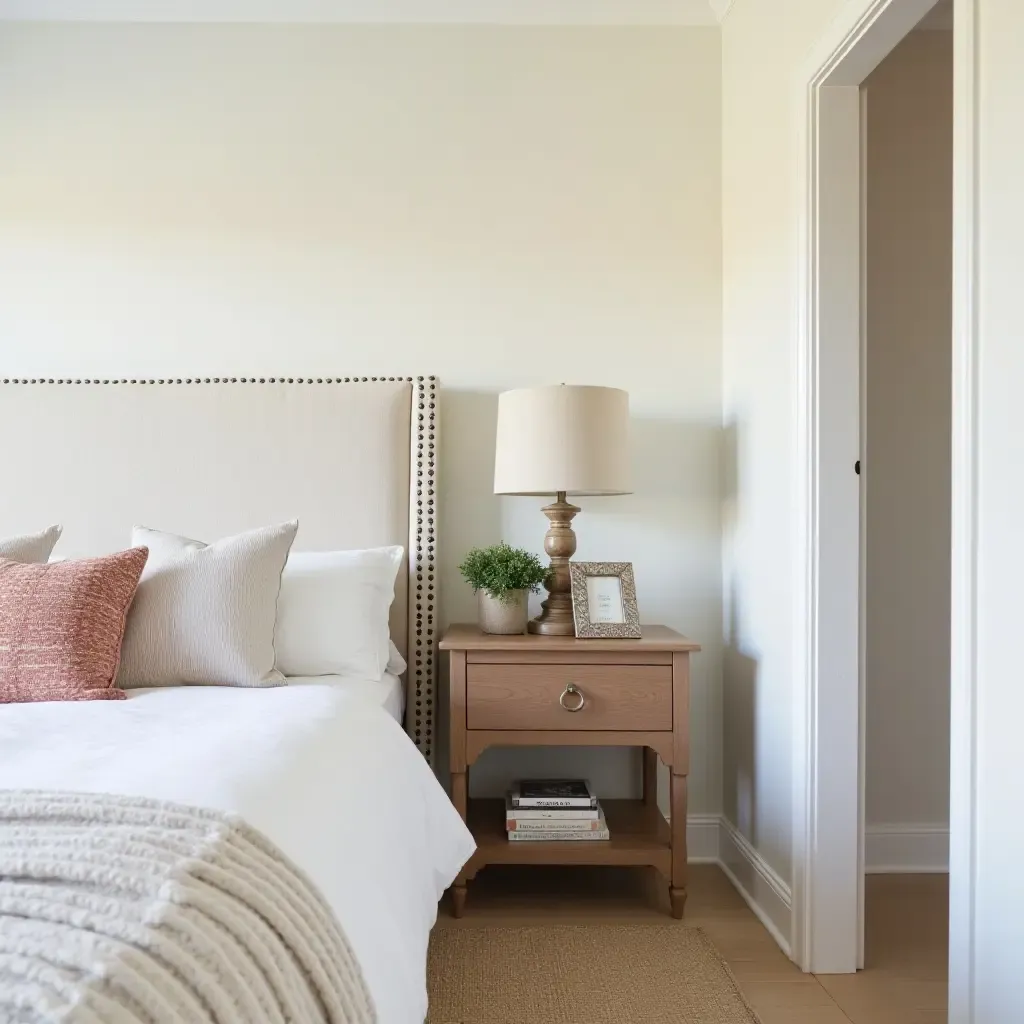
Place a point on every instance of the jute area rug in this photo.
(581, 974)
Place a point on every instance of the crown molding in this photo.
(720, 8)
(500, 12)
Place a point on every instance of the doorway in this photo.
(906, 406)
(829, 759)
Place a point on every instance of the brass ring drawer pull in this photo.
(573, 691)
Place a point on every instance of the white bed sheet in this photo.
(325, 773)
(387, 693)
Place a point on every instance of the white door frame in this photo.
(827, 724)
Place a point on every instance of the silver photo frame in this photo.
(604, 601)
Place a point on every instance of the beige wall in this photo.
(763, 46)
(499, 206)
(909, 279)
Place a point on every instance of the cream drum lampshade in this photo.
(563, 440)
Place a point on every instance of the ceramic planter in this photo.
(503, 617)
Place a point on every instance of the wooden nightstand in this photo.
(505, 691)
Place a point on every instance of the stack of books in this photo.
(553, 810)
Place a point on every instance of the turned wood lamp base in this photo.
(556, 618)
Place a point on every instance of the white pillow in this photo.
(332, 618)
(33, 548)
(396, 663)
(205, 614)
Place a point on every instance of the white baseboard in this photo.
(765, 892)
(906, 849)
(702, 838)
(712, 839)
(889, 849)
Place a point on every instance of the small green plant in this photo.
(501, 569)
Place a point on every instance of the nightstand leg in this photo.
(458, 899)
(677, 891)
(650, 776)
(460, 800)
(678, 898)
(459, 793)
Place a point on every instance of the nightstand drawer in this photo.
(623, 697)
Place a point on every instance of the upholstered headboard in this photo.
(354, 459)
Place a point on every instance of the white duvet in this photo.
(329, 776)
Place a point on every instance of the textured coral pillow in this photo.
(61, 626)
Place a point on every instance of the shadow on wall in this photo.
(470, 511)
(672, 523)
(669, 528)
(739, 671)
(470, 516)
(739, 730)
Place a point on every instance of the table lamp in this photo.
(565, 440)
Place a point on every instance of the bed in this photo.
(328, 768)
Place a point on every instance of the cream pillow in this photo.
(33, 548)
(332, 618)
(205, 613)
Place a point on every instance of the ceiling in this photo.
(512, 12)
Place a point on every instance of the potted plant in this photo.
(502, 578)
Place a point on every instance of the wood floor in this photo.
(906, 942)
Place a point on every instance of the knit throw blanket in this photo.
(120, 910)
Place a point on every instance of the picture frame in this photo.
(604, 601)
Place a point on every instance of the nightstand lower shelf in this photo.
(640, 836)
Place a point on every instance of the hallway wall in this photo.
(909, 277)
